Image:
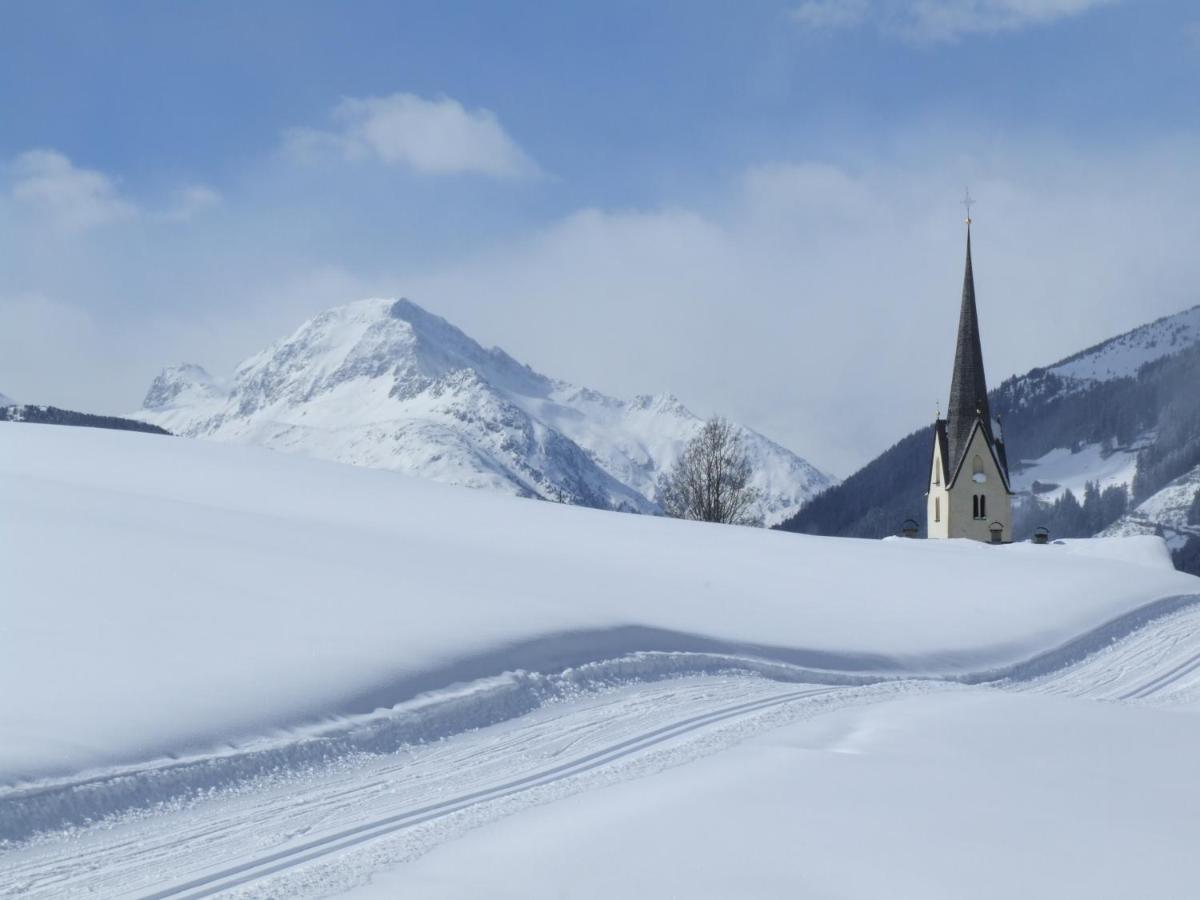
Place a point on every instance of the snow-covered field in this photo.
(1072, 471)
(239, 671)
(950, 794)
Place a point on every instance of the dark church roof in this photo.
(968, 386)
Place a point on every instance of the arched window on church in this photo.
(983, 506)
(937, 509)
(977, 466)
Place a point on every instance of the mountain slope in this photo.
(1123, 414)
(1174, 513)
(386, 384)
(1122, 356)
(1168, 512)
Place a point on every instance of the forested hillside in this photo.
(1040, 411)
(52, 415)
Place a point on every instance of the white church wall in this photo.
(937, 513)
(987, 484)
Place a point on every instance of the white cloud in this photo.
(789, 190)
(46, 347)
(819, 304)
(831, 13)
(811, 300)
(189, 201)
(938, 20)
(46, 187)
(53, 188)
(435, 137)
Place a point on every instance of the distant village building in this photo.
(969, 493)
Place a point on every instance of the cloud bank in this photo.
(814, 300)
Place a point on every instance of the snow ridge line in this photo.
(53, 805)
(48, 806)
(1083, 645)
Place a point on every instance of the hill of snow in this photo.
(230, 670)
(217, 592)
(385, 384)
(5, 400)
(1062, 470)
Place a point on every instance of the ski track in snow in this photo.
(315, 814)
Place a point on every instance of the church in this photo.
(969, 492)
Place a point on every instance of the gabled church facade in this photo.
(969, 492)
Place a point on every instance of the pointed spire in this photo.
(968, 386)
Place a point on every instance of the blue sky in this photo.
(617, 193)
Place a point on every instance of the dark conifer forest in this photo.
(52, 415)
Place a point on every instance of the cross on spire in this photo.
(968, 202)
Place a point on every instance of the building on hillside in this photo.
(969, 492)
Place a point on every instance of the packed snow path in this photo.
(423, 794)
(1158, 664)
(317, 829)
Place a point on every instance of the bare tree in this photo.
(710, 480)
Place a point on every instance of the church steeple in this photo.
(968, 385)
(969, 494)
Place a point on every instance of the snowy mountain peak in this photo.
(385, 383)
(182, 384)
(394, 341)
(444, 348)
(5, 400)
(666, 403)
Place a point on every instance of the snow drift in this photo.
(165, 595)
